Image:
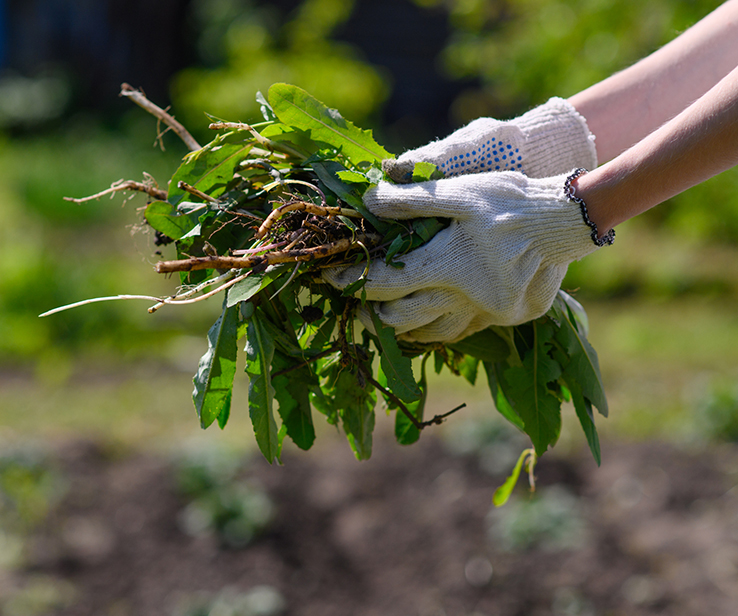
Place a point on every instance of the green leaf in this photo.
(214, 379)
(539, 409)
(405, 431)
(425, 229)
(266, 111)
(502, 494)
(209, 169)
(485, 345)
(327, 173)
(423, 171)
(352, 177)
(165, 218)
(583, 408)
(356, 404)
(397, 367)
(498, 386)
(468, 367)
(583, 366)
(259, 356)
(295, 107)
(292, 391)
(245, 289)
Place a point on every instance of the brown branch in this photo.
(120, 185)
(140, 99)
(271, 258)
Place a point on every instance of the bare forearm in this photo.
(697, 144)
(624, 108)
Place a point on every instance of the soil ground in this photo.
(411, 532)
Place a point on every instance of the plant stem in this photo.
(121, 185)
(140, 99)
(271, 258)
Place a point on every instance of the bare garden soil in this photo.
(409, 533)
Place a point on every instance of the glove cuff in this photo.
(563, 234)
(557, 139)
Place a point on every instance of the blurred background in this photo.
(102, 393)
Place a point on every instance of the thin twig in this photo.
(140, 99)
(271, 258)
(439, 419)
(266, 142)
(195, 192)
(121, 185)
(400, 404)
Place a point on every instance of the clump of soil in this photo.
(410, 532)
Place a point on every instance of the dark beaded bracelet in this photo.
(570, 193)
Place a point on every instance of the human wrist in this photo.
(594, 191)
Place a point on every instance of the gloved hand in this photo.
(499, 262)
(550, 139)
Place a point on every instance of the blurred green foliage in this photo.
(552, 519)
(221, 502)
(55, 252)
(251, 45)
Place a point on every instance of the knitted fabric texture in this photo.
(548, 140)
(499, 262)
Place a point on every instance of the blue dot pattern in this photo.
(494, 155)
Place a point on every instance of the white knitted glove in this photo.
(499, 262)
(550, 139)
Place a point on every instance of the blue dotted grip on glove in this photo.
(492, 156)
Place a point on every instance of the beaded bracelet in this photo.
(570, 193)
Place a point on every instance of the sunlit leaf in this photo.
(214, 379)
(295, 107)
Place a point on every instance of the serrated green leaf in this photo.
(295, 107)
(165, 218)
(214, 378)
(485, 345)
(539, 409)
(397, 367)
(259, 356)
(583, 365)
